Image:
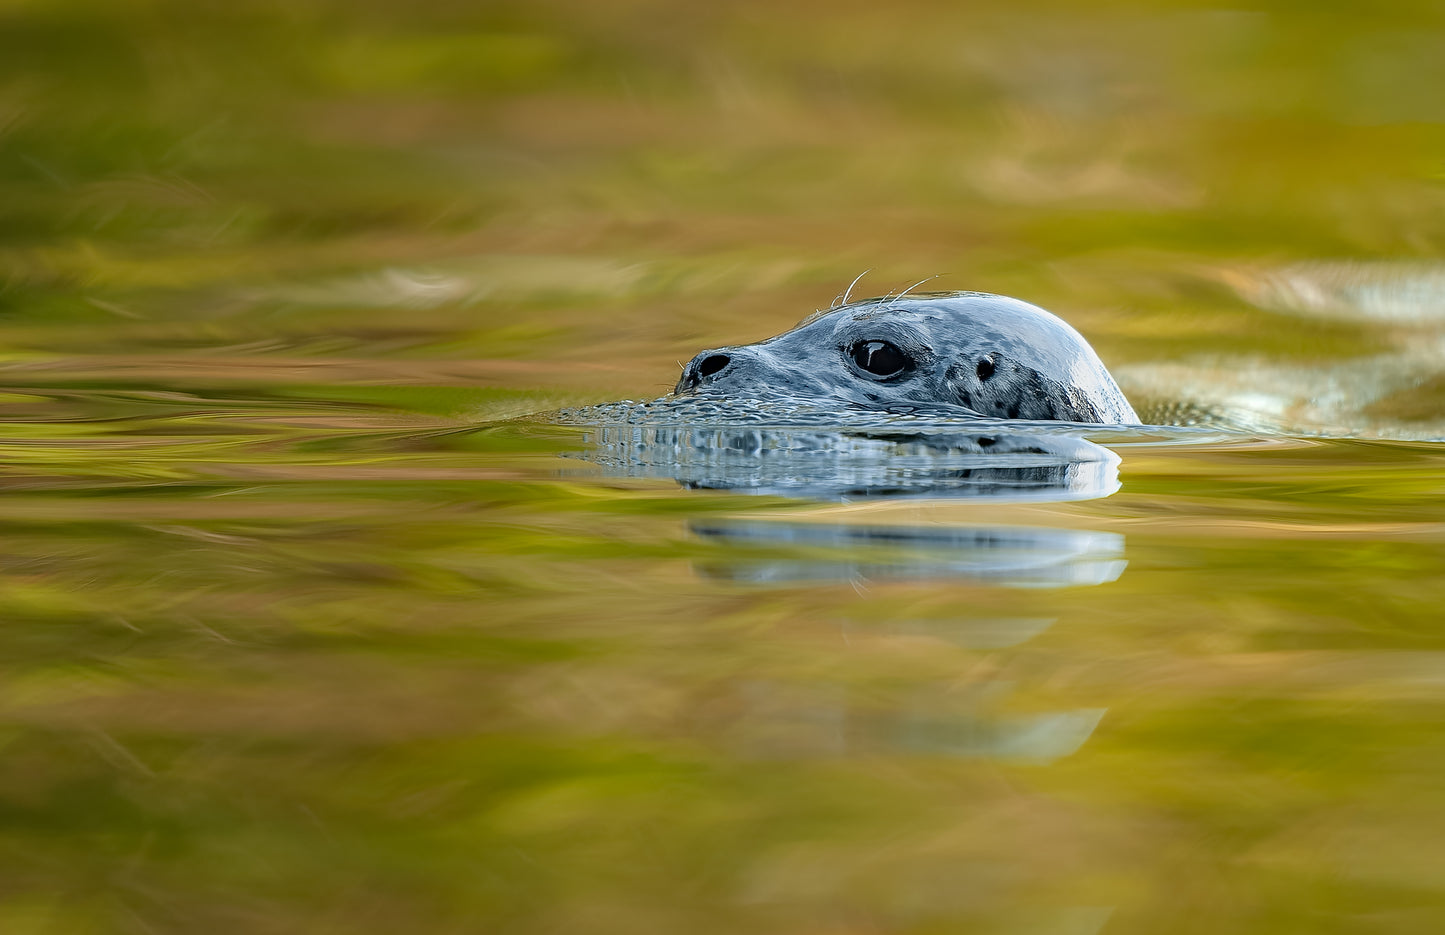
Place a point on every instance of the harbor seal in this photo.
(984, 355)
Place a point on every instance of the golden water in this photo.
(297, 635)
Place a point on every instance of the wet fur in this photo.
(988, 355)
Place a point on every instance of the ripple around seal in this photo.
(856, 463)
(806, 449)
(781, 411)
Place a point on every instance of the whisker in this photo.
(843, 299)
(894, 299)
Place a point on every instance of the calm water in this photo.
(303, 630)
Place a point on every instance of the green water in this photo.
(298, 634)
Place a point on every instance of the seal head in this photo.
(990, 355)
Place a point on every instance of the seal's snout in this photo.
(705, 368)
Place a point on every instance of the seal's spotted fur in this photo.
(990, 355)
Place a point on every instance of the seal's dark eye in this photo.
(985, 368)
(879, 358)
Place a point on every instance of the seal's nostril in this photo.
(712, 363)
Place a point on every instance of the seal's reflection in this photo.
(779, 720)
(889, 461)
(1001, 463)
(1016, 556)
(810, 720)
(998, 462)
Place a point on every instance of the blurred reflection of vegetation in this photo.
(211, 152)
(288, 646)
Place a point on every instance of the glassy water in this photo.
(307, 628)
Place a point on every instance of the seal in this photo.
(967, 353)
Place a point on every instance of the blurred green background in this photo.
(295, 637)
(599, 189)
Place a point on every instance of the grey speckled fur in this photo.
(970, 356)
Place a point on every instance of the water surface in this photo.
(308, 629)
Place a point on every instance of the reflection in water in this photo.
(1019, 737)
(288, 649)
(1389, 386)
(969, 632)
(786, 721)
(776, 719)
(840, 465)
(1398, 292)
(1014, 556)
(792, 722)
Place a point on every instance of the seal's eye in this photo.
(985, 368)
(879, 358)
